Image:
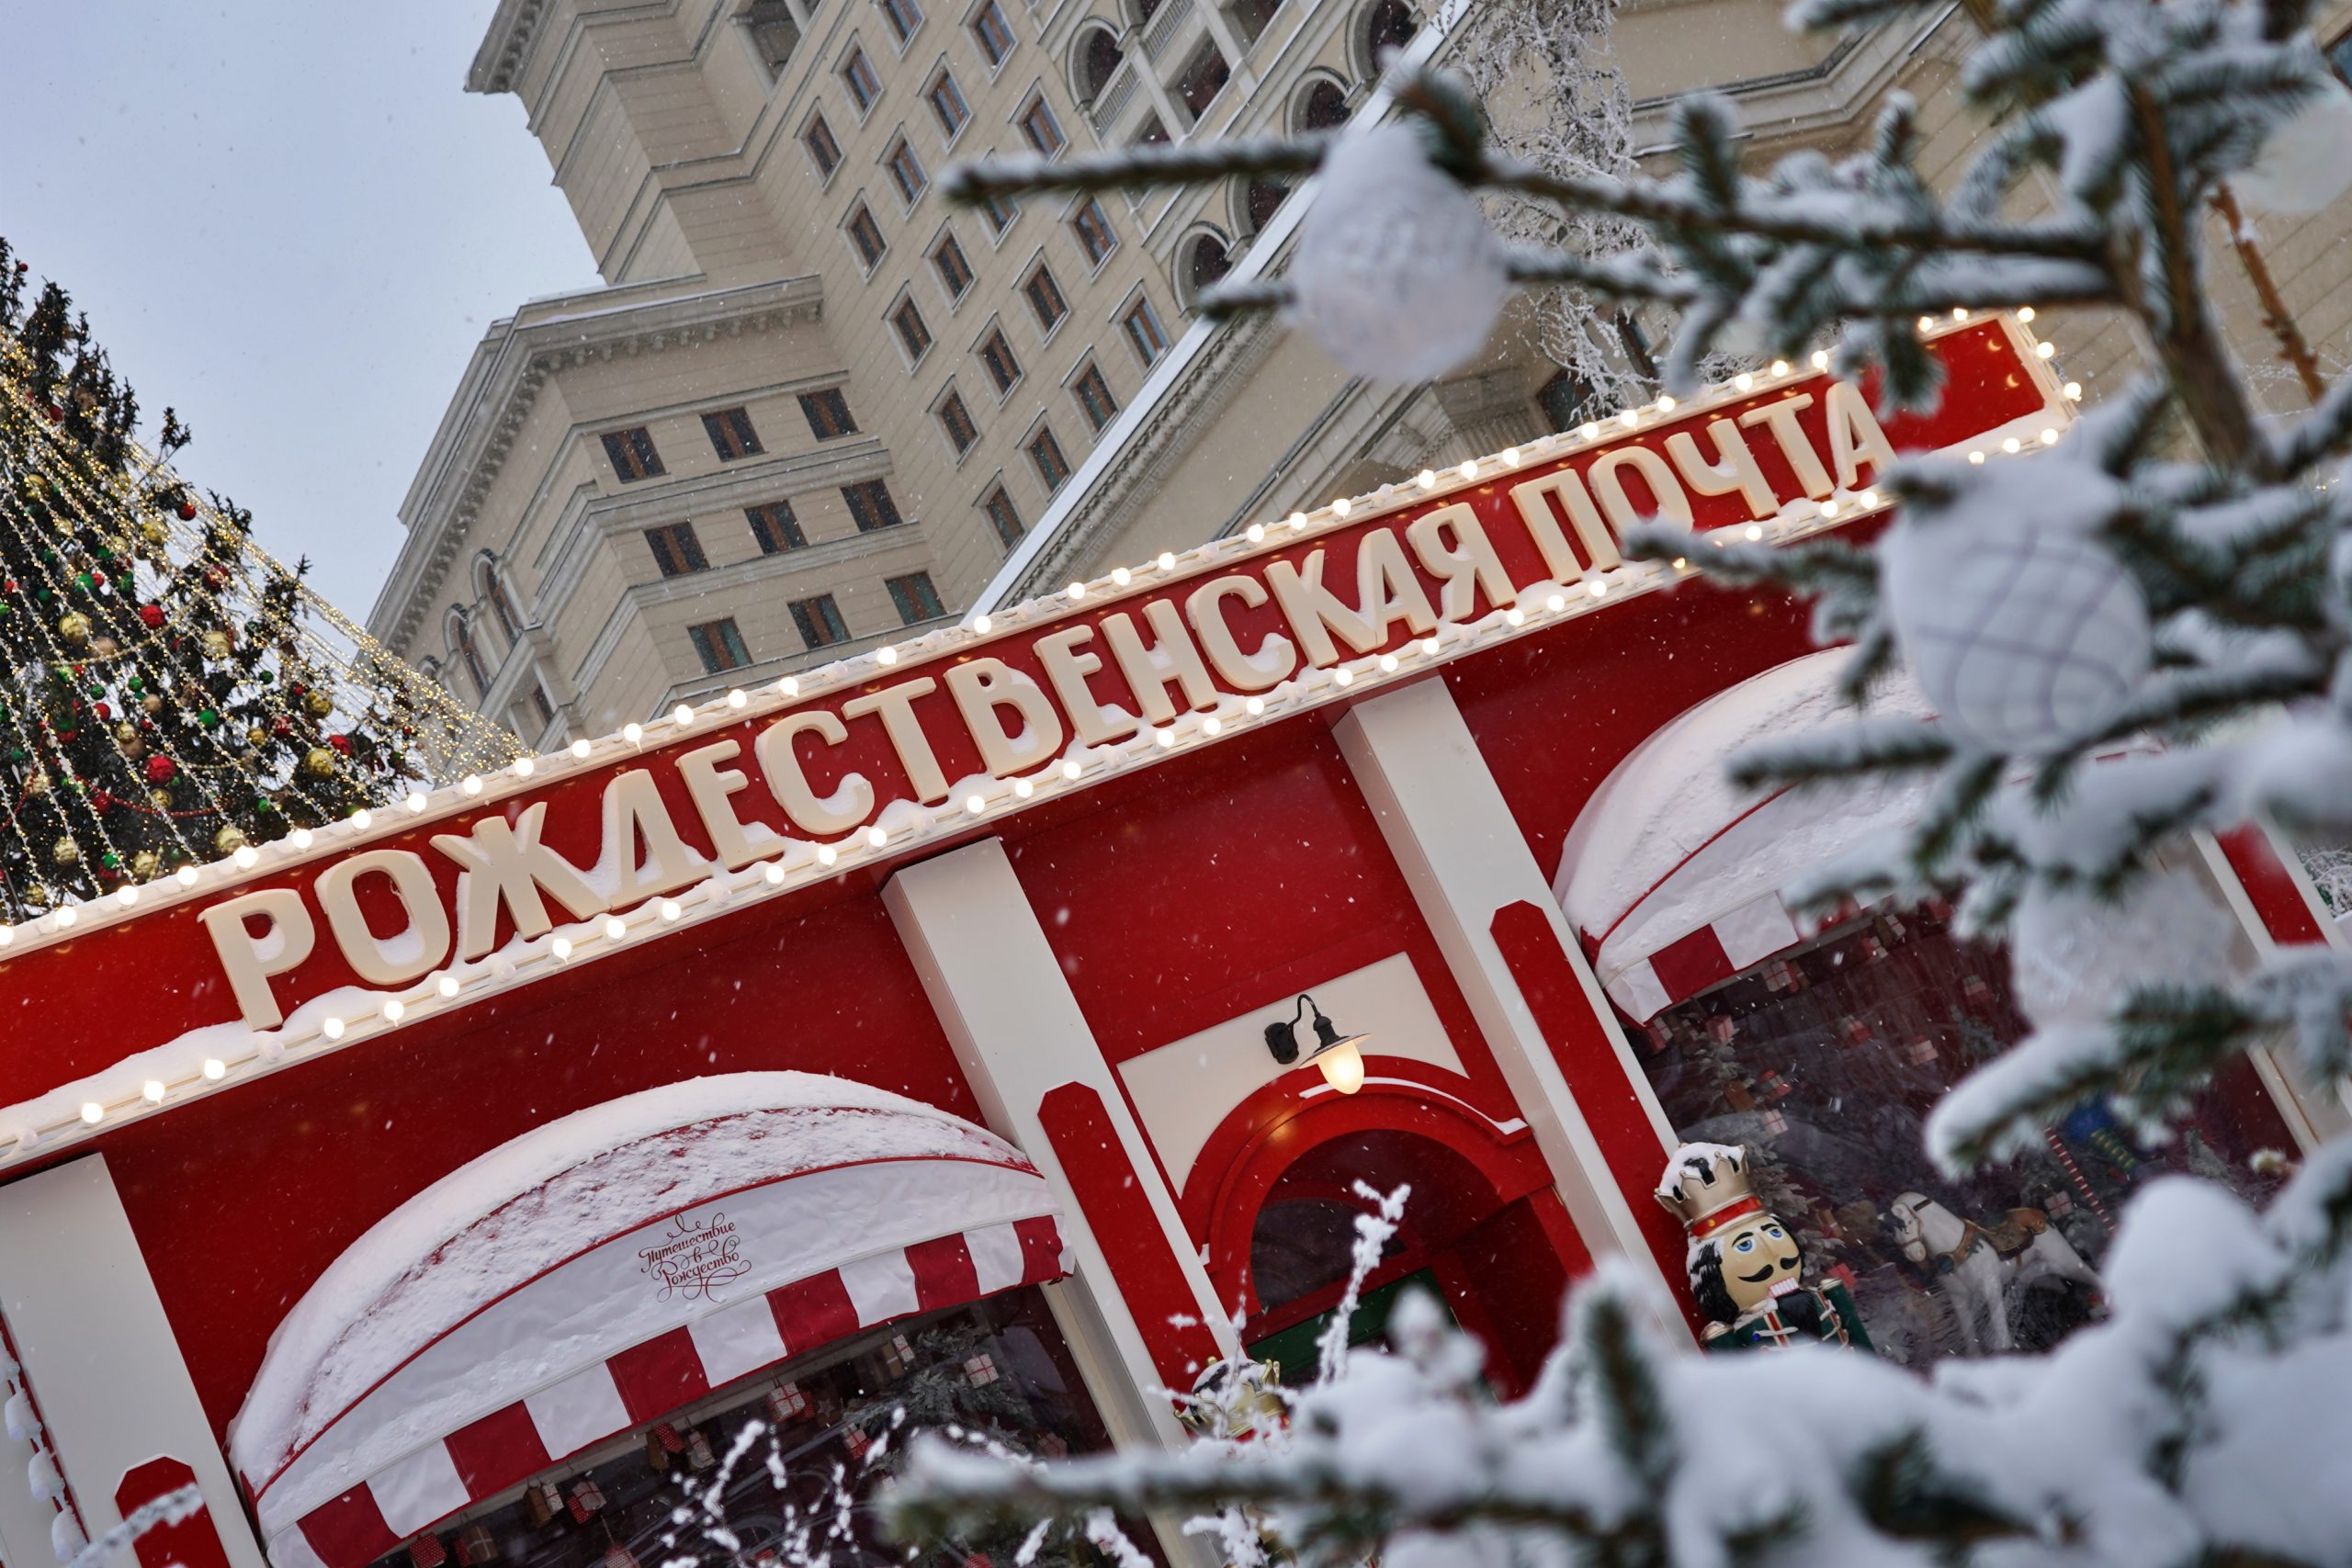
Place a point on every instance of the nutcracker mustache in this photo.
(1785, 1264)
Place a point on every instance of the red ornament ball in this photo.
(102, 800)
(161, 770)
(281, 724)
(150, 615)
(341, 743)
(102, 710)
(188, 511)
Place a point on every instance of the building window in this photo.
(775, 528)
(774, 33)
(1095, 235)
(1325, 108)
(858, 75)
(501, 609)
(870, 506)
(1045, 297)
(2339, 55)
(955, 272)
(730, 433)
(469, 655)
(947, 102)
(1003, 517)
(1207, 264)
(719, 646)
(1098, 60)
(1390, 27)
(906, 171)
(675, 550)
(540, 705)
(1142, 324)
(1093, 395)
(1266, 198)
(1044, 132)
(997, 355)
(903, 16)
(819, 620)
(632, 454)
(957, 420)
(996, 38)
(865, 235)
(1637, 346)
(1251, 16)
(1204, 77)
(913, 337)
(1563, 399)
(1052, 467)
(828, 414)
(1150, 133)
(914, 597)
(999, 210)
(823, 150)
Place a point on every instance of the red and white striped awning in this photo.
(1673, 878)
(603, 1270)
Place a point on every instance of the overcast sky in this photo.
(290, 222)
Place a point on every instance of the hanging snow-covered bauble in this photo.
(2304, 166)
(2073, 956)
(65, 1538)
(2024, 636)
(1397, 275)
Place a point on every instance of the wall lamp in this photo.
(1340, 1058)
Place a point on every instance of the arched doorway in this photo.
(1482, 1229)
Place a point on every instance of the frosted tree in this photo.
(2175, 567)
(1548, 75)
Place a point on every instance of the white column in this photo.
(91, 1332)
(997, 989)
(1464, 858)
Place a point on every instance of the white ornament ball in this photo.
(1397, 275)
(2307, 162)
(2074, 957)
(65, 1540)
(2025, 637)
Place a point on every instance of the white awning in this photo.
(1672, 877)
(599, 1271)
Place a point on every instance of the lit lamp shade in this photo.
(1342, 1064)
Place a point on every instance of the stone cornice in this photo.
(503, 46)
(508, 371)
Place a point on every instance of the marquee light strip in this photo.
(806, 863)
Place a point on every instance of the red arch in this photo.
(1285, 1120)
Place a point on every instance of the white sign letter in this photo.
(249, 960)
(395, 960)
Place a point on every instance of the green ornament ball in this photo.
(208, 718)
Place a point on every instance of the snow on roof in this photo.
(503, 1219)
(1671, 797)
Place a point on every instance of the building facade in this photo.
(814, 406)
(1017, 1008)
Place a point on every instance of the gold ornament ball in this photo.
(154, 533)
(65, 851)
(216, 645)
(126, 732)
(145, 864)
(318, 761)
(257, 736)
(229, 839)
(151, 704)
(160, 799)
(319, 704)
(37, 784)
(74, 628)
(105, 647)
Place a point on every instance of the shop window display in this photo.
(997, 1368)
(1824, 1063)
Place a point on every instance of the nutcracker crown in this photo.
(1705, 1185)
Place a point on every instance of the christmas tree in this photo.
(170, 694)
(2174, 568)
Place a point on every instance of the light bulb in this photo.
(1342, 1067)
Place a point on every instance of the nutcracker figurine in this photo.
(1746, 1270)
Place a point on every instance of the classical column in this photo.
(1492, 910)
(1042, 1082)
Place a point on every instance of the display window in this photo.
(1824, 1063)
(775, 1454)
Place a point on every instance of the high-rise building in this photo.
(815, 406)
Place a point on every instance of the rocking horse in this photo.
(1980, 1268)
